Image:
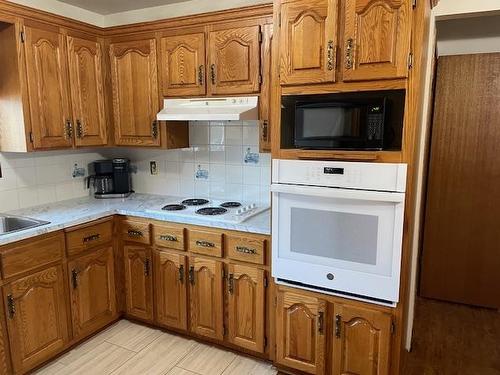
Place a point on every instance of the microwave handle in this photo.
(328, 192)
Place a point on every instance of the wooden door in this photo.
(170, 289)
(300, 331)
(246, 313)
(308, 41)
(362, 341)
(87, 92)
(138, 282)
(377, 38)
(183, 64)
(205, 277)
(134, 78)
(36, 317)
(92, 286)
(234, 58)
(460, 260)
(47, 78)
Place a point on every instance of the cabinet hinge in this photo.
(265, 282)
(261, 38)
(265, 341)
(31, 137)
(223, 274)
(260, 78)
(410, 60)
(279, 21)
(22, 36)
(224, 330)
(275, 301)
(414, 3)
(393, 328)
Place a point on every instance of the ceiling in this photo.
(105, 7)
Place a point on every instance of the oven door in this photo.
(340, 241)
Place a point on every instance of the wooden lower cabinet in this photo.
(138, 282)
(246, 307)
(92, 291)
(170, 289)
(27, 300)
(206, 299)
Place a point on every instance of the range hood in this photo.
(210, 109)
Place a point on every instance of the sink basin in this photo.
(11, 224)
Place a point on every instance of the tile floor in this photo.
(129, 348)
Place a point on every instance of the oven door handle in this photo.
(327, 192)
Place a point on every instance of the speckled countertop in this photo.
(73, 212)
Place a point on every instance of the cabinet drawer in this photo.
(30, 254)
(79, 240)
(135, 231)
(167, 236)
(246, 249)
(206, 243)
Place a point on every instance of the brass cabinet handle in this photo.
(147, 267)
(68, 129)
(79, 129)
(74, 278)
(230, 283)
(11, 306)
(181, 274)
(331, 55)
(265, 130)
(168, 237)
(200, 74)
(245, 250)
(321, 322)
(212, 73)
(191, 275)
(205, 244)
(154, 129)
(349, 53)
(91, 238)
(134, 233)
(338, 322)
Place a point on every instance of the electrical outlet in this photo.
(153, 167)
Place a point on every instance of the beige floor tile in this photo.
(80, 350)
(180, 371)
(243, 365)
(134, 337)
(207, 360)
(50, 369)
(158, 357)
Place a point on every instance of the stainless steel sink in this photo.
(11, 224)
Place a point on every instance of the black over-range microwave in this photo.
(344, 121)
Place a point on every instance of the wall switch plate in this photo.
(153, 167)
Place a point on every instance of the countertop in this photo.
(73, 212)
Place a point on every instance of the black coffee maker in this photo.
(111, 178)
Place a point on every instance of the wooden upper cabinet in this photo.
(48, 89)
(376, 39)
(234, 61)
(308, 41)
(92, 286)
(183, 65)
(205, 277)
(246, 313)
(362, 341)
(170, 289)
(26, 301)
(136, 103)
(86, 74)
(300, 331)
(138, 282)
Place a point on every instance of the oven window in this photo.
(335, 235)
(330, 122)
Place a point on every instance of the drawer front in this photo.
(170, 237)
(246, 249)
(79, 240)
(206, 243)
(135, 231)
(31, 254)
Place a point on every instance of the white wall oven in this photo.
(338, 227)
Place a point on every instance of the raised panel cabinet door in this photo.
(36, 317)
(308, 41)
(138, 282)
(47, 78)
(376, 39)
(92, 286)
(183, 64)
(205, 278)
(87, 91)
(234, 58)
(246, 314)
(134, 77)
(300, 332)
(362, 341)
(170, 289)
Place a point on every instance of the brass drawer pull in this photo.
(265, 130)
(68, 129)
(168, 237)
(349, 53)
(200, 74)
(205, 244)
(154, 129)
(11, 306)
(181, 274)
(230, 283)
(212, 73)
(191, 275)
(91, 238)
(246, 250)
(331, 55)
(321, 322)
(134, 233)
(147, 267)
(79, 129)
(74, 278)
(338, 322)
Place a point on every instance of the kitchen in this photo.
(191, 187)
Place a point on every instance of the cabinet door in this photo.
(300, 331)
(87, 91)
(170, 289)
(246, 307)
(205, 277)
(46, 67)
(183, 64)
(362, 341)
(36, 317)
(92, 286)
(308, 41)
(377, 39)
(135, 93)
(138, 282)
(234, 61)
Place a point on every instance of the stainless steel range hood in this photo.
(210, 109)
